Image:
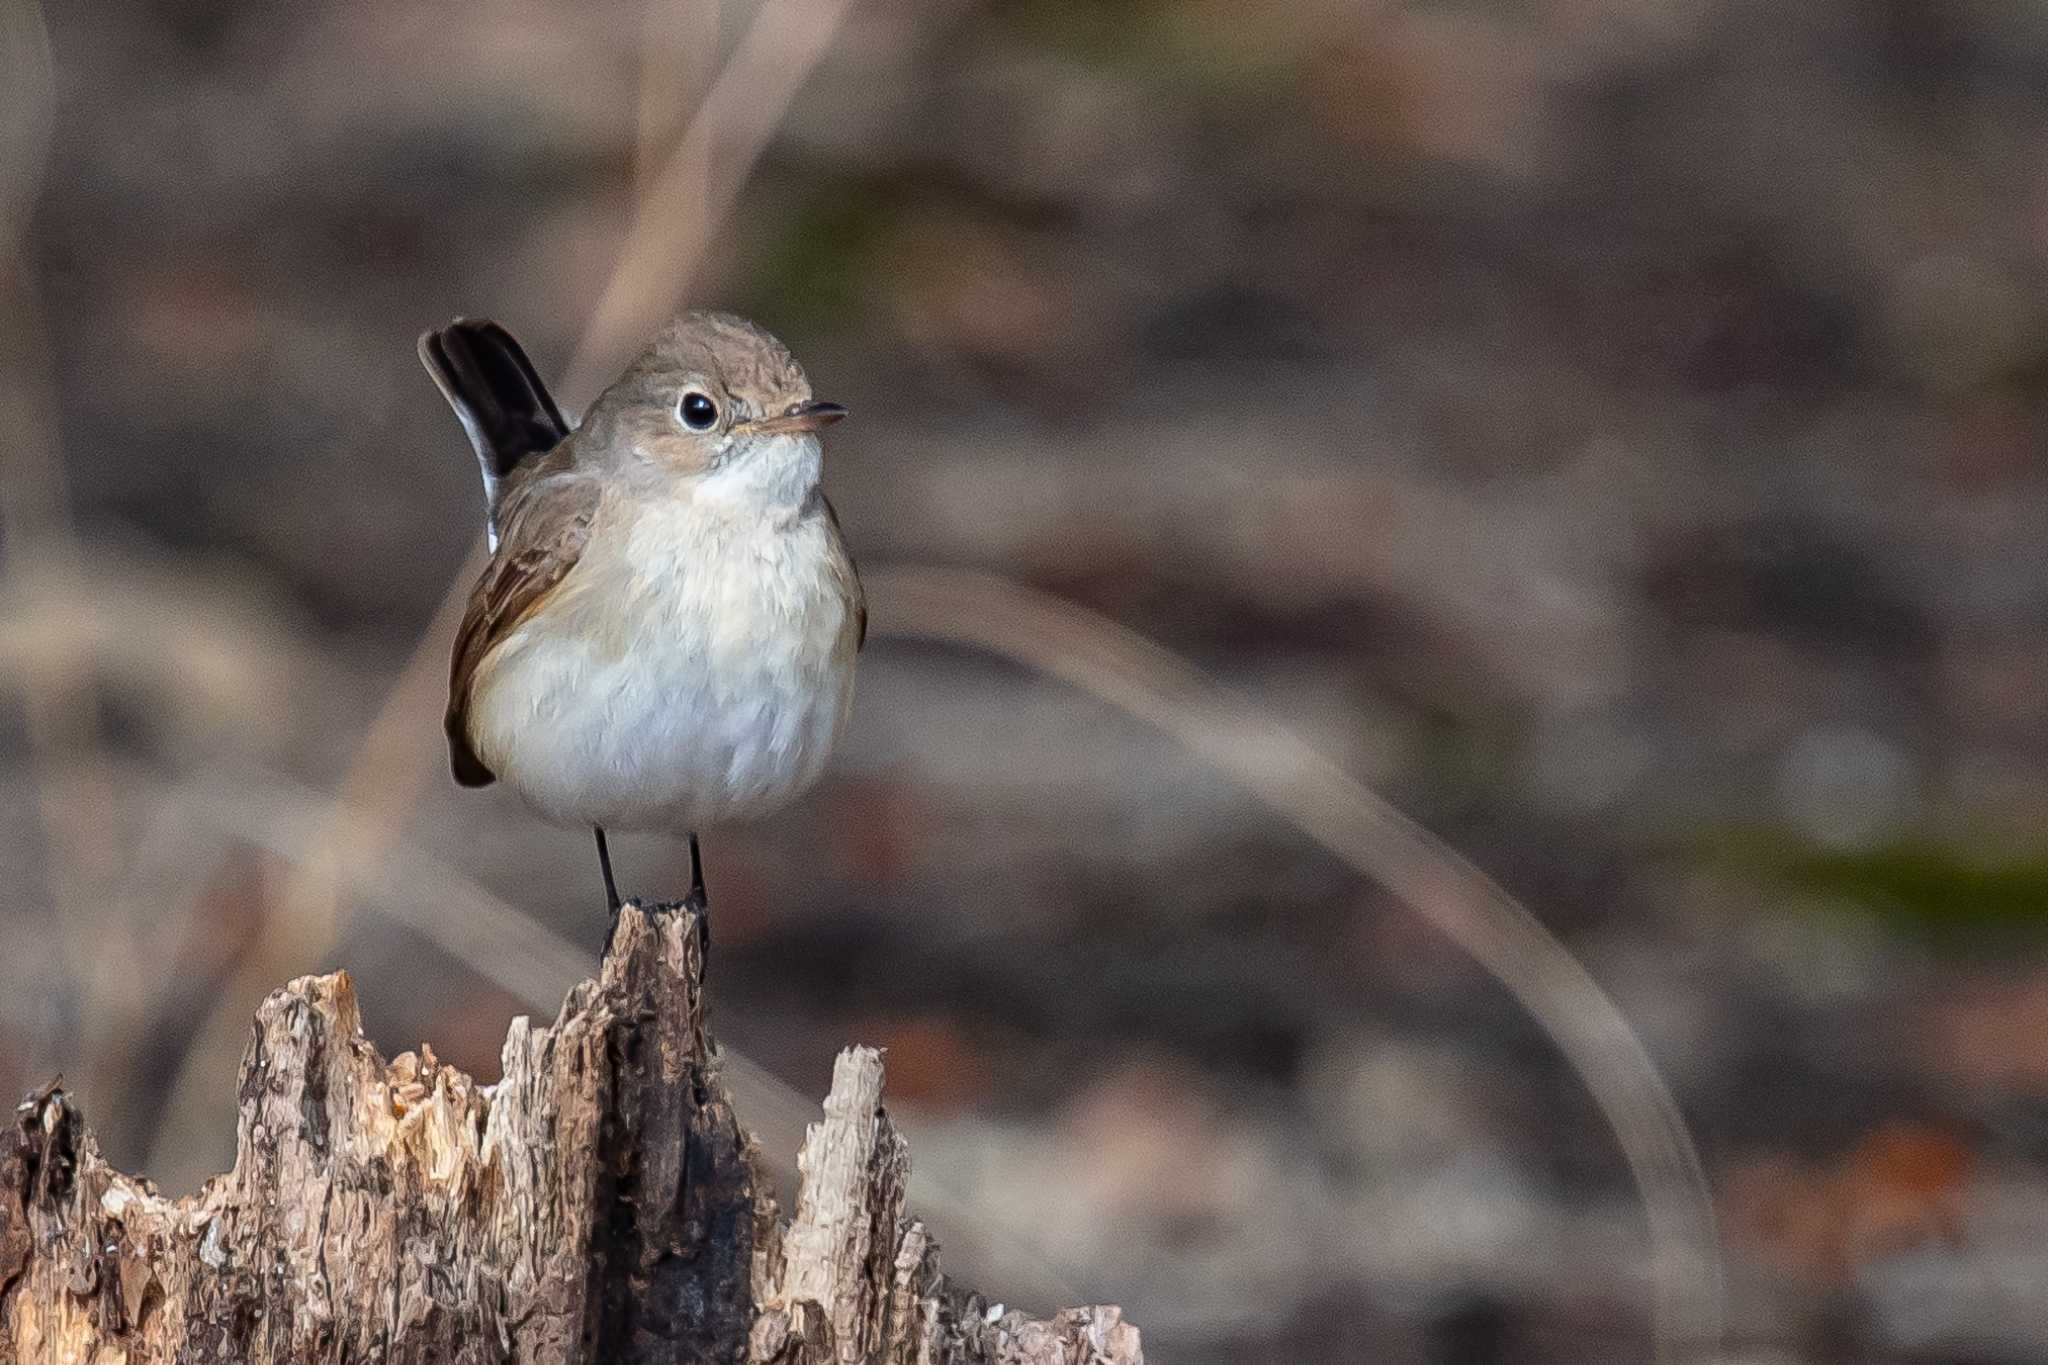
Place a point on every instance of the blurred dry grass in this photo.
(1612, 429)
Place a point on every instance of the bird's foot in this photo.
(696, 903)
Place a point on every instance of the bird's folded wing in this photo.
(544, 525)
(848, 574)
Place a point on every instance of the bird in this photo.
(665, 635)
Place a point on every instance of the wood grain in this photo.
(602, 1202)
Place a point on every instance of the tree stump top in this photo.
(601, 1202)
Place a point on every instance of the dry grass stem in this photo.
(1091, 652)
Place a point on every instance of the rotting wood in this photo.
(600, 1203)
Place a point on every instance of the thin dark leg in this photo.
(604, 860)
(697, 901)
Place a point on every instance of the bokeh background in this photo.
(1612, 429)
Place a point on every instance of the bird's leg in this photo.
(696, 896)
(694, 902)
(604, 860)
(697, 900)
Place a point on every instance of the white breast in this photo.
(695, 667)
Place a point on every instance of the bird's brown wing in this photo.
(543, 526)
(853, 588)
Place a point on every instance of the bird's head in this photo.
(717, 400)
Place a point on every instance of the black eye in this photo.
(698, 412)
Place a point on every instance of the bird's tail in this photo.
(497, 396)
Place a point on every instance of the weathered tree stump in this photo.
(601, 1203)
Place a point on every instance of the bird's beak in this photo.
(812, 416)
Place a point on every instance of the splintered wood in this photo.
(601, 1203)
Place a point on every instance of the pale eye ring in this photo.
(697, 412)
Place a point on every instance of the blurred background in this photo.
(1611, 429)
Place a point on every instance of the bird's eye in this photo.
(698, 412)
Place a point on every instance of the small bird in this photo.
(665, 636)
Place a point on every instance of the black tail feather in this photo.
(497, 396)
